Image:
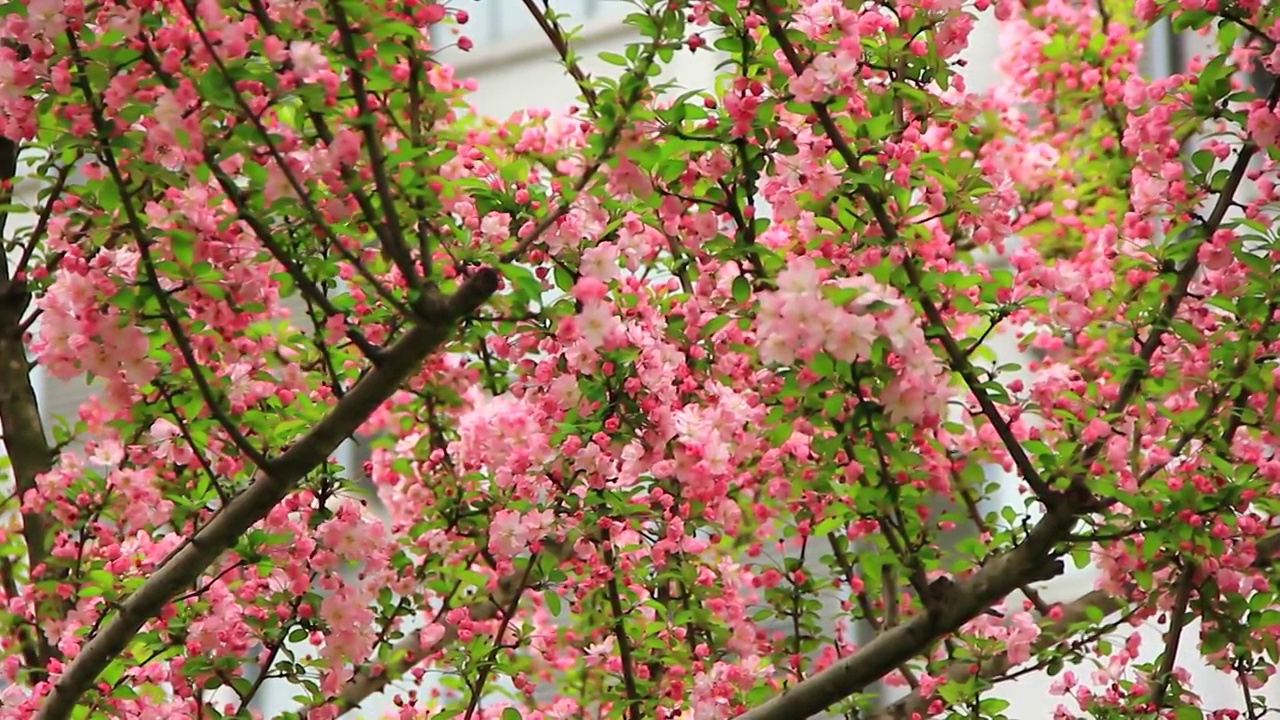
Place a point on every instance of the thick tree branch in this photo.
(28, 632)
(24, 437)
(1072, 613)
(8, 174)
(1051, 634)
(29, 452)
(1028, 562)
(270, 485)
(25, 443)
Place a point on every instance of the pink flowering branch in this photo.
(609, 144)
(1052, 633)
(1059, 630)
(410, 651)
(1030, 561)
(389, 244)
(138, 227)
(271, 483)
(275, 477)
(393, 242)
(711, 429)
(261, 231)
(936, 323)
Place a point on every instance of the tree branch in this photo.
(556, 36)
(270, 485)
(965, 600)
(29, 452)
(635, 707)
(1051, 634)
(1177, 621)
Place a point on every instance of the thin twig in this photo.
(635, 708)
(393, 241)
(1177, 621)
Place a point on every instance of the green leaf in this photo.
(613, 58)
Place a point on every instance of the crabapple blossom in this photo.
(657, 398)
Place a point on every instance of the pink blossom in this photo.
(597, 322)
(308, 59)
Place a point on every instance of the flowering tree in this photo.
(624, 419)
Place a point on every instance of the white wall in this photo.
(522, 72)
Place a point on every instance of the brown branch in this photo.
(1172, 637)
(46, 212)
(26, 445)
(28, 449)
(187, 437)
(270, 485)
(9, 151)
(635, 707)
(1028, 562)
(24, 436)
(864, 602)
(508, 614)
(28, 633)
(1051, 634)
(1248, 695)
(1266, 550)
(975, 514)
